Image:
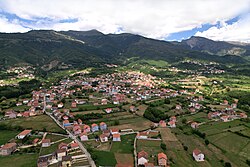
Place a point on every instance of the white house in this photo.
(60, 105)
(103, 138)
(114, 131)
(108, 110)
(23, 134)
(45, 142)
(142, 157)
(225, 118)
(116, 137)
(84, 136)
(194, 125)
(172, 124)
(198, 155)
(60, 153)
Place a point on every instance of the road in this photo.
(135, 152)
(84, 150)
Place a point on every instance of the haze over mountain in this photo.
(88, 48)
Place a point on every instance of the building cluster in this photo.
(171, 123)
(63, 156)
(22, 72)
(227, 113)
(35, 105)
(9, 148)
(81, 130)
(208, 68)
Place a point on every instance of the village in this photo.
(131, 118)
(18, 73)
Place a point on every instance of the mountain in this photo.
(216, 47)
(91, 48)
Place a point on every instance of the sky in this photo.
(224, 20)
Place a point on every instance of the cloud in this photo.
(238, 31)
(11, 26)
(155, 19)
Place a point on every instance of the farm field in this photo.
(151, 147)
(175, 152)
(232, 145)
(181, 158)
(125, 146)
(230, 139)
(40, 123)
(141, 109)
(55, 138)
(127, 159)
(21, 160)
(114, 151)
(167, 135)
(192, 142)
(87, 107)
(124, 150)
(217, 127)
(197, 117)
(6, 135)
(88, 112)
(104, 158)
(246, 132)
(125, 120)
(20, 108)
(137, 124)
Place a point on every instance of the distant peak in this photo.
(198, 38)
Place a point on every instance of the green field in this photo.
(231, 138)
(229, 142)
(6, 135)
(19, 160)
(125, 146)
(104, 158)
(87, 107)
(197, 117)
(20, 108)
(54, 138)
(246, 132)
(151, 147)
(218, 127)
(40, 123)
(135, 123)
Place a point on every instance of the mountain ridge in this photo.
(216, 47)
(88, 48)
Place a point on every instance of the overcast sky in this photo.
(160, 19)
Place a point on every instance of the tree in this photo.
(116, 122)
(248, 162)
(184, 120)
(228, 164)
(185, 148)
(167, 101)
(163, 146)
(155, 115)
(63, 100)
(206, 142)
